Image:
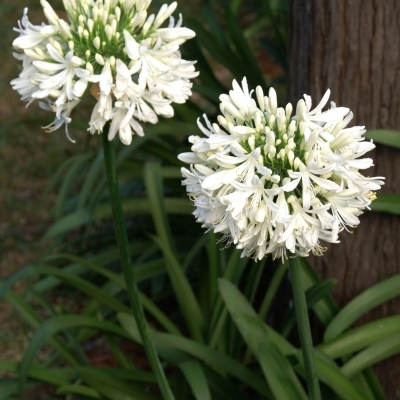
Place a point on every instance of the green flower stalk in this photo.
(127, 267)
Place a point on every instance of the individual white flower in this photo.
(273, 183)
(129, 62)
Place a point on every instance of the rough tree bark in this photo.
(353, 48)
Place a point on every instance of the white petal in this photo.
(132, 47)
(189, 158)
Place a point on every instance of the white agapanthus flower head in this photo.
(129, 62)
(275, 183)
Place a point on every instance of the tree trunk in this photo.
(353, 48)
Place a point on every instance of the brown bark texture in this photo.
(353, 48)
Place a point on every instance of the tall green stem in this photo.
(127, 267)
(303, 324)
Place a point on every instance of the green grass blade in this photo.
(367, 300)
(279, 374)
(379, 351)
(384, 136)
(196, 378)
(361, 337)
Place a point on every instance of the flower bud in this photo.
(288, 111)
(260, 97)
(99, 58)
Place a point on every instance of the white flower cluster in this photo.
(273, 183)
(132, 64)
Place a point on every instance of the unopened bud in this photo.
(96, 42)
(108, 31)
(99, 58)
(117, 12)
(90, 24)
(275, 178)
(288, 111)
(90, 68)
(260, 97)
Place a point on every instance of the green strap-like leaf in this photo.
(331, 375)
(33, 319)
(313, 295)
(255, 331)
(67, 183)
(79, 390)
(39, 373)
(384, 136)
(326, 308)
(81, 284)
(114, 388)
(389, 203)
(58, 324)
(177, 349)
(361, 337)
(254, 75)
(182, 289)
(252, 328)
(70, 221)
(279, 374)
(196, 378)
(379, 351)
(367, 300)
